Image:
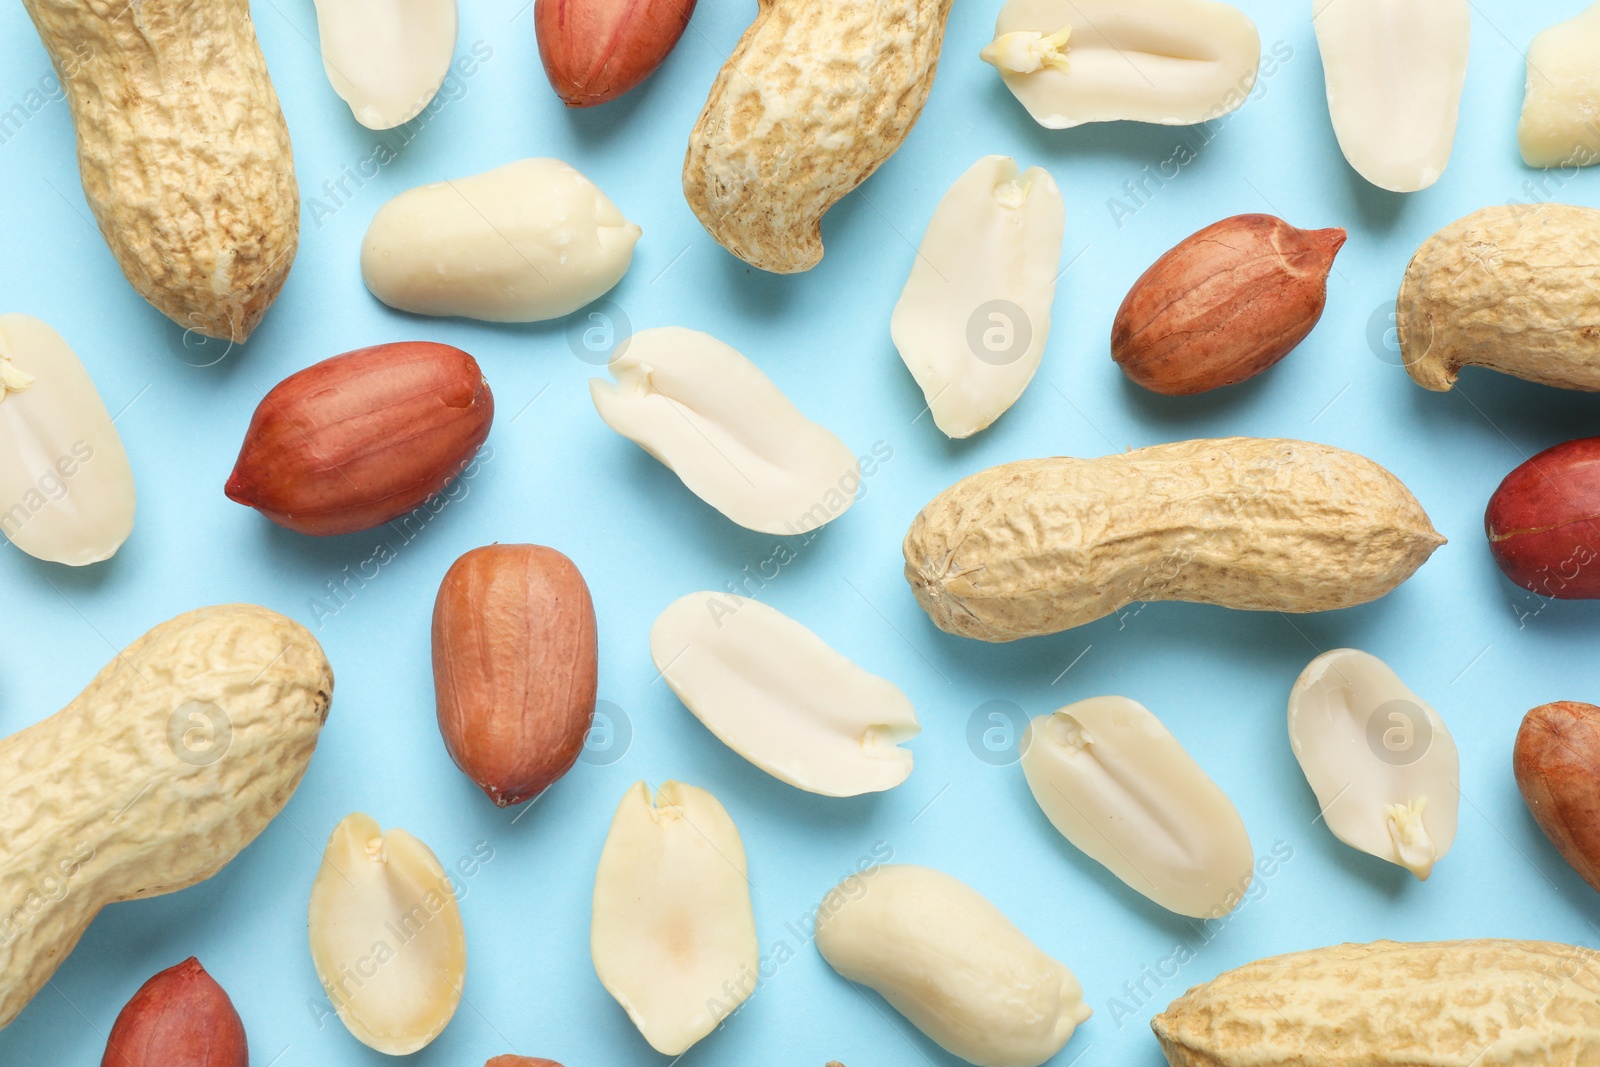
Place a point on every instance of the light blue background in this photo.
(1480, 649)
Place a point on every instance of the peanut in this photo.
(1557, 128)
(179, 1018)
(183, 151)
(951, 963)
(386, 936)
(1224, 305)
(363, 437)
(1557, 766)
(1039, 546)
(167, 765)
(813, 100)
(1389, 1004)
(1511, 288)
(596, 50)
(514, 667)
(1543, 522)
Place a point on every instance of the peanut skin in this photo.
(1557, 764)
(1224, 305)
(520, 1061)
(596, 50)
(1543, 522)
(362, 438)
(179, 1018)
(514, 667)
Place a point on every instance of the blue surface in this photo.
(1478, 648)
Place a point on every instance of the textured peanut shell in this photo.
(100, 785)
(183, 152)
(1515, 288)
(1043, 545)
(817, 94)
(1388, 1004)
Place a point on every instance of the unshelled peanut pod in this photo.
(1543, 522)
(362, 438)
(514, 667)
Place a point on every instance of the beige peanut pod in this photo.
(1043, 545)
(1511, 288)
(183, 152)
(817, 94)
(170, 761)
(1390, 1004)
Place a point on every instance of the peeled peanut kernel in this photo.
(1394, 73)
(951, 963)
(1559, 126)
(1120, 787)
(1381, 761)
(727, 431)
(1174, 62)
(386, 936)
(529, 241)
(972, 319)
(775, 693)
(673, 935)
(386, 58)
(66, 490)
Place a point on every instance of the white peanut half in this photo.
(673, 936)
(973, 317)
(727, 431)
(813, 100)
(1116, 783)
(386, 58)
(529, 241)
(1560, 125)
(66, 490)
(1394, 71)
(386, 936)
(1381, 761)
(1174, 62)
(162, 770)
(1038, 546)
(951, 963)
(775, 693)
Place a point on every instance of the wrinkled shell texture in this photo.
(1512, 288)
(1387, 1004)
(1543, 522)
(179, 1018)
(1039, 546)
(813, 100)
(1557, 764)
(1224, 305)
(514, 667)
(112, 751)
(183, 151)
